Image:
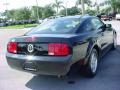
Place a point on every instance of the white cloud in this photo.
(21, 3)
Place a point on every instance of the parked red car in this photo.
(106, 17)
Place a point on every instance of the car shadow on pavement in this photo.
(108, 74)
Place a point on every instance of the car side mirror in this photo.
(108, 25)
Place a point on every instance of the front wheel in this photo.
(110, 19)
(92, 65)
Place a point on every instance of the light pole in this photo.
(66, 8)
(97, 7)
(6, 6)
(83, 7)
(37, 10)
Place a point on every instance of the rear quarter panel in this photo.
(79, 52)
(79, 46)
(83, 44)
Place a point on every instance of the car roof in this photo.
(77, 16)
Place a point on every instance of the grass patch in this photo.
(19, 26)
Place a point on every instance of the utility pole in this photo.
(83, 7)
(66, 8)
(6, 5)
(97, 7)
(37, 10)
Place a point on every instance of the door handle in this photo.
(80, 42)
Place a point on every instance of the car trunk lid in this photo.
(38, 45)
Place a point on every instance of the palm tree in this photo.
(82, 2)
(57, 5)
(88, 2)
(114, 4)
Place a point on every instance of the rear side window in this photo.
(87, 26)
(96, 23)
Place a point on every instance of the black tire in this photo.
(110, 19)
(92, 70)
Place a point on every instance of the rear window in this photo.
(57, 26)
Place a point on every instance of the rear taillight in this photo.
(12, 47)
(58, 49)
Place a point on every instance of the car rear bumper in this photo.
(45, 65)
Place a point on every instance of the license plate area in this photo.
(30, 66)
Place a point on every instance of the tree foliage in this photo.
(70, 11)
(88, 2)
(114, 4)
(90, 12)
(26, 13)
(10, 14)
(18, 14)
(48, 11)
(106, 10)
(57, 4)
(36, 12)
(22, 14)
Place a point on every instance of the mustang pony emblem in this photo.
(30, 48)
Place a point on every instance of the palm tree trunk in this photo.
(83, 7)
(57, 10)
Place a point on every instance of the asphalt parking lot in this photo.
(107, 78)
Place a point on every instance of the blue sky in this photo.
(21, 3)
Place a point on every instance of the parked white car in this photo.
(117, 16)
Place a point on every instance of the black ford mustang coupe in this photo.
(53, 47)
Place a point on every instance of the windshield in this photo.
(56, 26)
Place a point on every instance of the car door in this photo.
(101, 32)
(109, 31)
